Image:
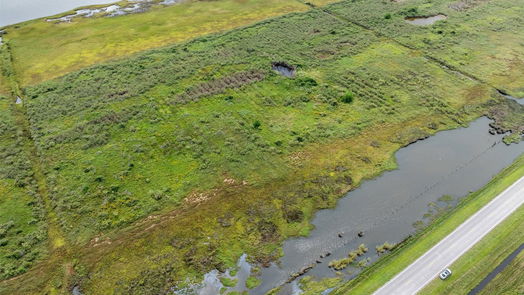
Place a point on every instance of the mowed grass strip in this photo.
(44, 50)
(510, 280)
(386, 268)
(479, 261)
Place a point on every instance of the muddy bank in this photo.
(12, 12)
(130, 7)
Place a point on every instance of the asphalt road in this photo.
(442, 255)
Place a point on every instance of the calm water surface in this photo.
(453, 162)
(15, 11)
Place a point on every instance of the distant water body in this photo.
(15, 11)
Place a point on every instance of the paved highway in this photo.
(442, 255)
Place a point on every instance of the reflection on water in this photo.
(284, 69)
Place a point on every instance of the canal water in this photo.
(385, 209)
(453, 162)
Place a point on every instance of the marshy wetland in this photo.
(230, 151)
(431, 178)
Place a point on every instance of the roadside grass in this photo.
(480, 260)
(387, 267)
(43, 50)
(509, 281)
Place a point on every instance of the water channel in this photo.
(452, 163)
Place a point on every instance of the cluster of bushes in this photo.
(95, 132)
(341, 264)
(384, 247)
(217, 86)
(19, 249)
(508, 116)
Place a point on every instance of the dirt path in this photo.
(57, 243)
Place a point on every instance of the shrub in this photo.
(257, 124)
(306, 82)
(411, 12)
(362, 249)
(384, 247)
(293, 215)
(156, 195)
(363, 262)
(340, 264)
(252, 282)
(347, 98)
(227, 282)
(387, 16)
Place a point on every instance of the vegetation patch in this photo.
(508, 117)
(475, 40)
(384, 247)
(227, 282)
(341, 264)
(252, 282)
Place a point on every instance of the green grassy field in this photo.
(165, 165)
(469, 269)
(44, 50)
(482, 40)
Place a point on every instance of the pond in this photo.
(284, 69)
(425, 20)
